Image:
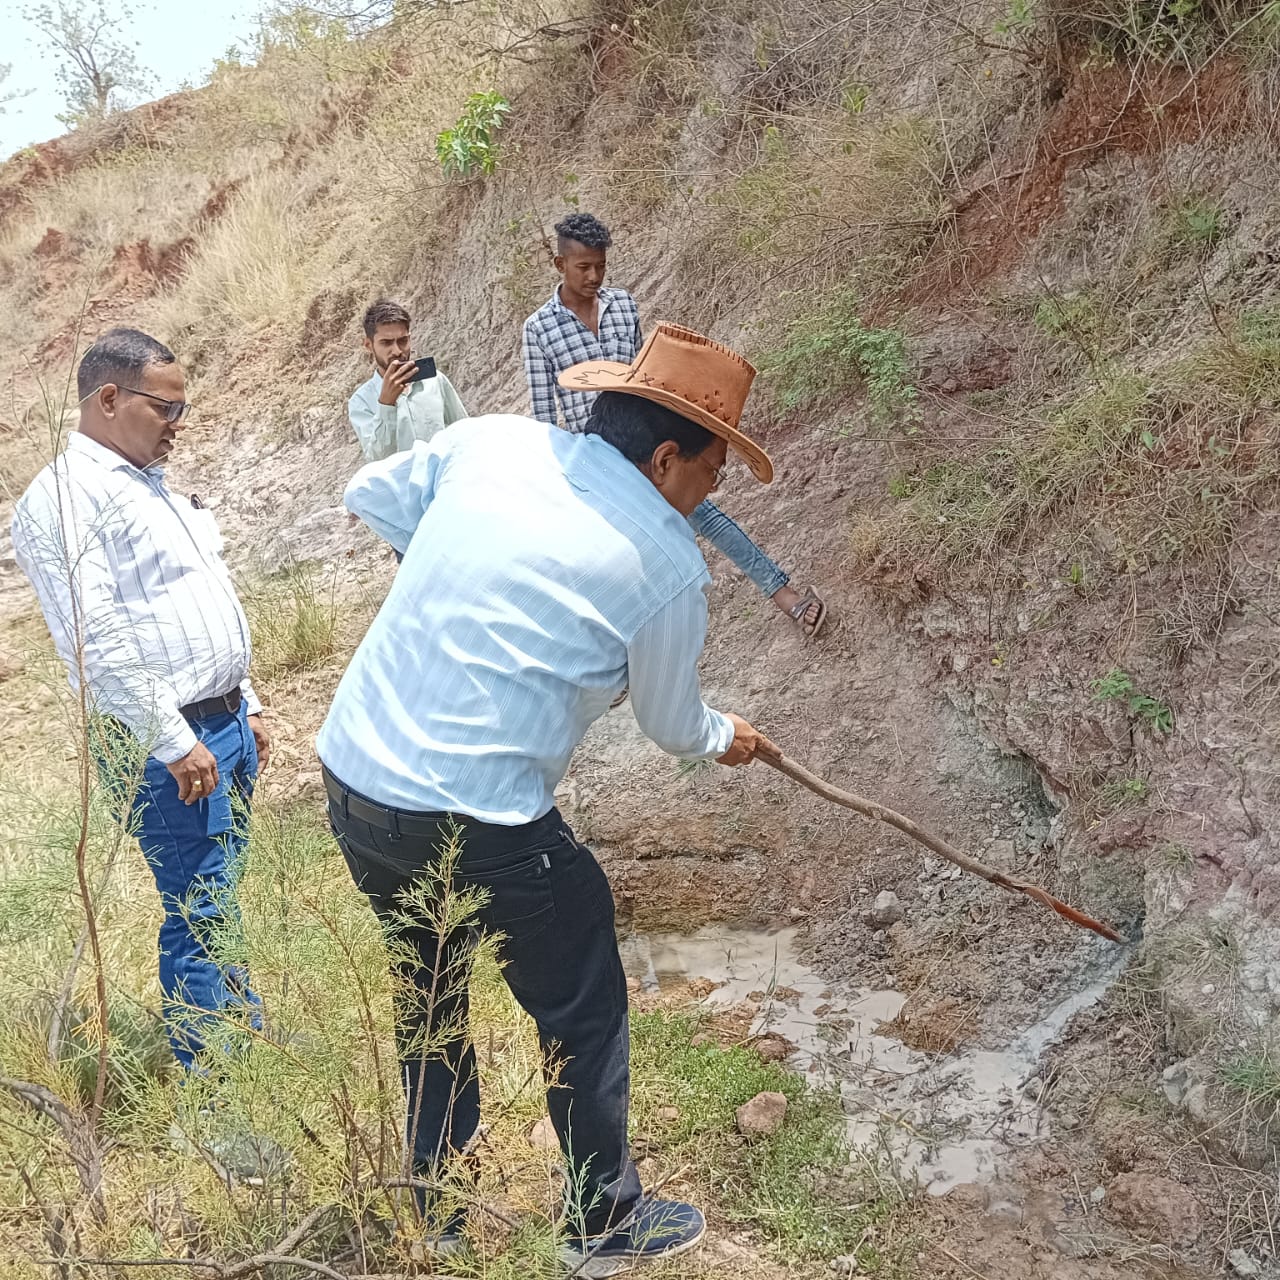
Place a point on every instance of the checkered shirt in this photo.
(555, 339)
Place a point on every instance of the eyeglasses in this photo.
(174, 410)
(717, 473)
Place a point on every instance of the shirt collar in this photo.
(106, 458)
(605, 295)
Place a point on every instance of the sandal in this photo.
(797, 611)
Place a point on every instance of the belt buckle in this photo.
(228, 702)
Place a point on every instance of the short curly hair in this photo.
(585, 229)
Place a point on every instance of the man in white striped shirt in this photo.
(542, 572)
(141, 607)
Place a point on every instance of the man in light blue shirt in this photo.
(395, 408)
(542, 572)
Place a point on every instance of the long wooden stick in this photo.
(772, 755)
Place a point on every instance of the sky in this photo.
(177, 43)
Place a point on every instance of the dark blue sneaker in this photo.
(659, 1230)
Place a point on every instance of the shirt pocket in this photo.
(203, 527)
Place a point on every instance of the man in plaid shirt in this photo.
(584, 320)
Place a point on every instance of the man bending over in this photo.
(542, 572)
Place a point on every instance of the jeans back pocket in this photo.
(517, 894)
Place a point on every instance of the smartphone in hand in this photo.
(425, 367)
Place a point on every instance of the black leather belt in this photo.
(399, 821)
(345, 803)
(224, 705)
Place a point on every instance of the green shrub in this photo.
(1199, 222)
(1118, 684)
(138, 1050)
(469, 147)
(833, 350)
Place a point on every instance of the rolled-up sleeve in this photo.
(666, 697)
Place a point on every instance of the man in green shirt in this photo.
(393, 410)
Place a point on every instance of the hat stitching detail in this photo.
(700, 340)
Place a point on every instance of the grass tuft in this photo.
(1257, 1075)
(294, 622)
(796, 1187)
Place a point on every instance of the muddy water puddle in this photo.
(947, 1119)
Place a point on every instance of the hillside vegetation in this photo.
(1008, 269)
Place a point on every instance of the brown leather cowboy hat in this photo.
(699, 379)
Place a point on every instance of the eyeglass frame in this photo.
(717, 473)
(183, 406)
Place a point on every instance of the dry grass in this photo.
(1168, 472)
(815, 202)
(786, 148)
(127, 197)
(256, 268)
(309, 175)
(295, 621)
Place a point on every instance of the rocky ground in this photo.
(963, 702)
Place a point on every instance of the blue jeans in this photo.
(727, 537)
(193, 852)
(551, 902)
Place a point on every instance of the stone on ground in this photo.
(773, 1048)
(885, 910)
(763, 1115)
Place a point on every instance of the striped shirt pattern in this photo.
(555, 340)
(134, 589)
(542, 572)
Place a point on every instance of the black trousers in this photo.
(551, 902)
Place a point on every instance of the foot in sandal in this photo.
(807, 611)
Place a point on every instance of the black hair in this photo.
(384, 311)
(586, 229)
(636, 427)
(119, 356)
